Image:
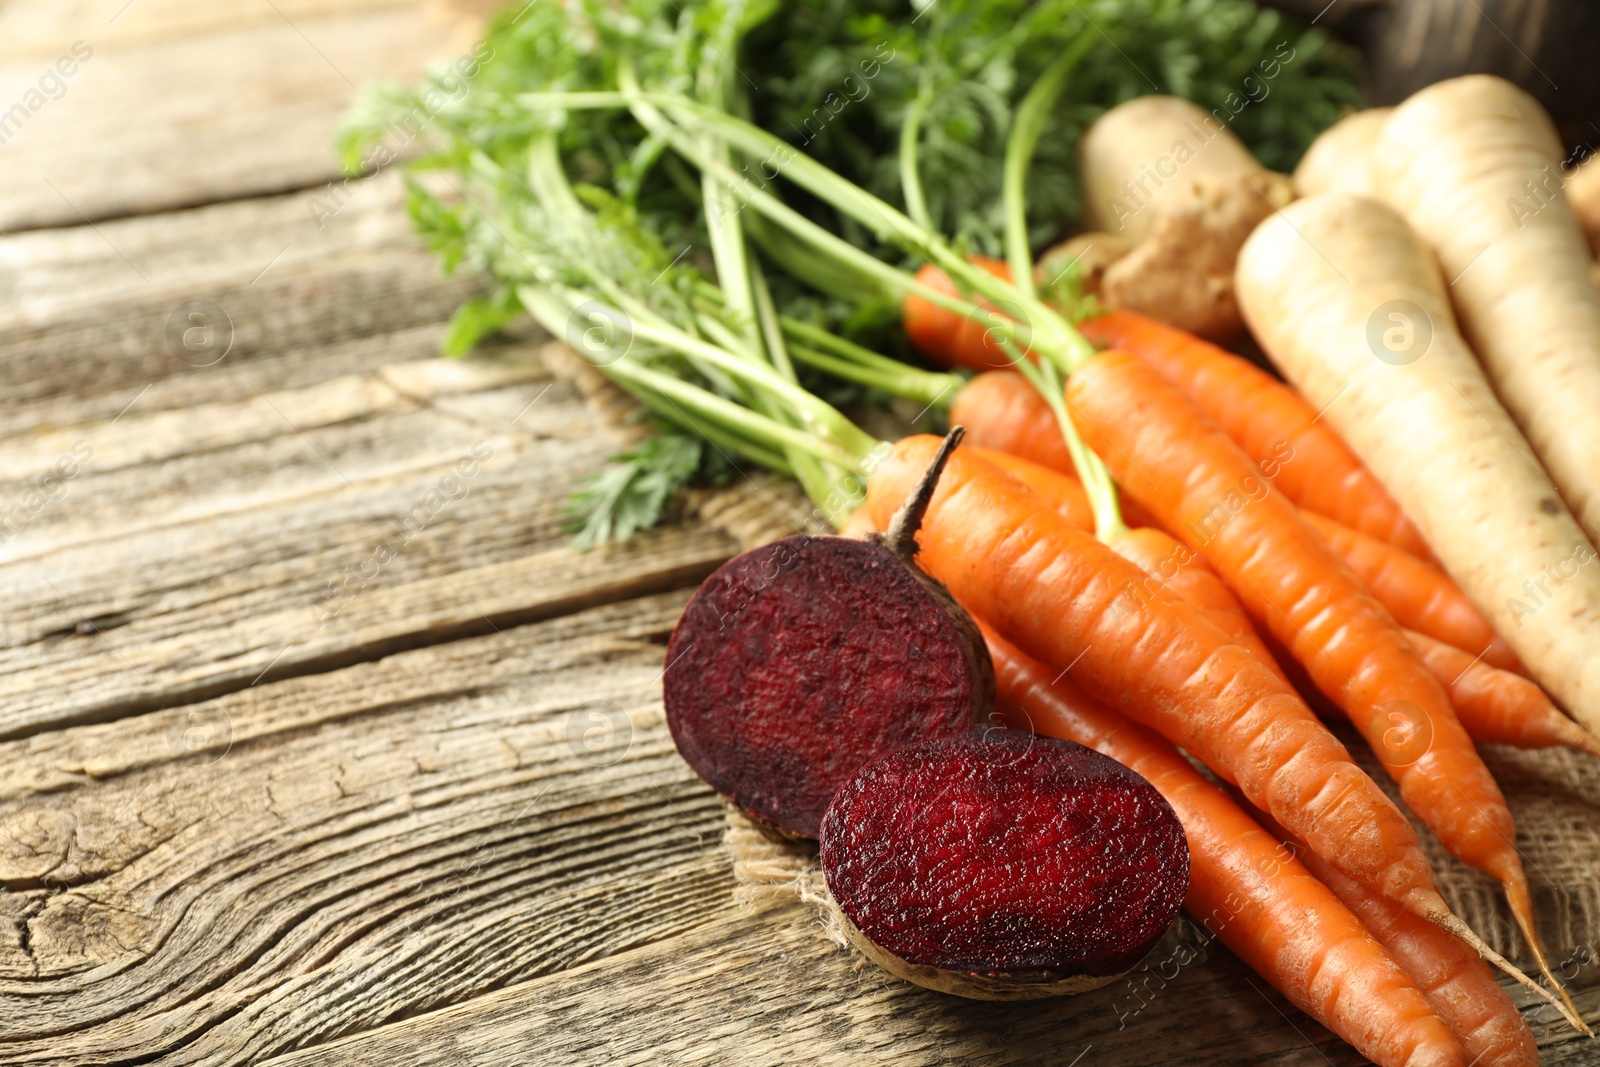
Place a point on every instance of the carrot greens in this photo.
(604, 166)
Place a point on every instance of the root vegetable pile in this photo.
(1172, 553)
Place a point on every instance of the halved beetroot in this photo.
(799, 662)
(1004, 865)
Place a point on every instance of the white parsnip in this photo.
(1351, 306)
(1474, 164)
(1340, 159)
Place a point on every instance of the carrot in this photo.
(1051, 589)
(1474, 164)
(1333, 283)
(1419, 595)
(1498, 707)
(946, 337)
(858, 525)
(1455, 981)
(1064, 493)
(1167, 454)
(1494, 705)
(1173, 564)
(1003, 413)
(1245, 888)
(1270, 421)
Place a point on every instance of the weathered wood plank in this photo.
(172, 540)
(769, 989)
(285, 306)
(166, 105)
(237, 878)
(262, 558)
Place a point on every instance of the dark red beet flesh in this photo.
(1000, 852)
(798, 662)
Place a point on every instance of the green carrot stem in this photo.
(768, 320)
(735, 418)
(840, 278)
(937, 391)
(1046, 375)
(838, 346)
(910, 139)
(874, 213)
(1097, 483)
(1026, 129)
(728, 444)
(817, 347)
(859, 204)
(813, 412)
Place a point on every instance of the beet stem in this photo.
(902, 534)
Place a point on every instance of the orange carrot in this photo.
(1052, 589)
(948, 338)
(1003, 413)
(858, 525)
(1064, 492)
(1462, 990)
(1182, 466)
(1165, 560)
(1494, 705)
(1248, 891)
(1274, 425)
(1419, 595)
(1170, 562)
(1498, 707)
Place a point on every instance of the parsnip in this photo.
(1583, 193)
(1173, 181)
(1351, 306)
(1340, 160)
(1138, 157)
(1474, 164)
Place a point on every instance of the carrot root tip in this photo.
(1451, 923)
(1521, 900)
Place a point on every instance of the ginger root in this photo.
(1170, 183)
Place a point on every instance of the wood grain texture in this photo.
(180, 104)
(298, 305)
(768, 989)
(175, 580)
(170, 532)
(219, 882)
(430, 814)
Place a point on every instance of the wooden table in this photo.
(318, 743)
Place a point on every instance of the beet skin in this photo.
(799, 662)
(1001, 853)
